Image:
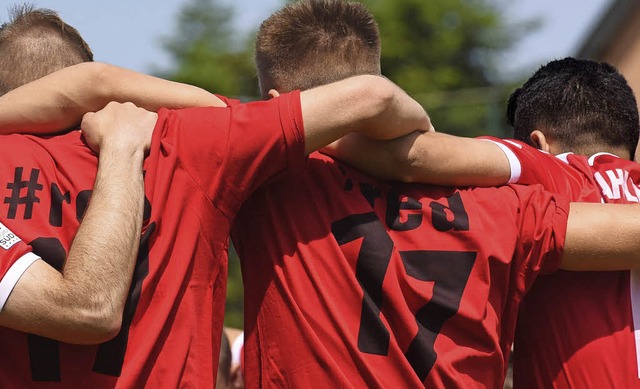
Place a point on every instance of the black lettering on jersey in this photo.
(395, 205)
(82, 202)
(51, 251)
(449, 272)
(348, 183)
(370, 192)
(44, 353)
(371, 268)
(57, 199)
(30, 197)
(454, 217)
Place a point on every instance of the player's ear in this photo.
(273, 93)
(539, 140)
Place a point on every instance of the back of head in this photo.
(36, 42)
(315, 42)
(584, 106)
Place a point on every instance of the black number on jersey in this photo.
(448, 270)
(44, 353)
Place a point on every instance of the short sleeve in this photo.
(15, 258)
(531, 166)
(542, 225)
(231, 151)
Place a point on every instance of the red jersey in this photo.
(576, 329)
(204, 162)
(353, 282)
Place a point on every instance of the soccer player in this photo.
(582, 107)
(450, 216)
(203, 163)
(79, 300)
(354, 282)
(585, 113)
(568, 106)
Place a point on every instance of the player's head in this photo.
(36, 42)
(223, 380)
(316, 42)
(582, 106)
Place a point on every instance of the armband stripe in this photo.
(12, 276)
(514, 162)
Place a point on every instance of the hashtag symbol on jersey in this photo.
(30, 197)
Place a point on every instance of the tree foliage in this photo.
(207, 52)
(446, 54)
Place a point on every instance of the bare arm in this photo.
(426, 157)
(84, 303)
(370, 105)
(602, 237)
(58, 101)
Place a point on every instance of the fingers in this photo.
(119, 125)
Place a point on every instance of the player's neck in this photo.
(594, 149)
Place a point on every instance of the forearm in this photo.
(102, 257)
(58, 101)
(602, 237)
(426, 157)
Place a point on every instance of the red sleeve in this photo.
(231, 151)
(532, 166)
(227, 100)
(542, 225)
(15, 259)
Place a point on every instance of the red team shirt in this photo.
(353, 282)
(204, 162)
(576, 329)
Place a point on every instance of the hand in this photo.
(119, 125)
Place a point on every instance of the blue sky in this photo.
(127, 32)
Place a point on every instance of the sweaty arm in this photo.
(602, 237)
(426, 157)
(57, 101)
(84, 303)
(367, 105)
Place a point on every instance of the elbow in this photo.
(105, 331)
(94, 71)
(380, 96)
(382, 93)
(104, 327)
(100, 76)
(96, 326)
(410, 170)
(410, 158)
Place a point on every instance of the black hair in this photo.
(582, 104)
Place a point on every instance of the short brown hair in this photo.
(315, 42)
(36, 42)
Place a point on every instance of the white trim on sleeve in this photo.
(13, 275)
(514, 162)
